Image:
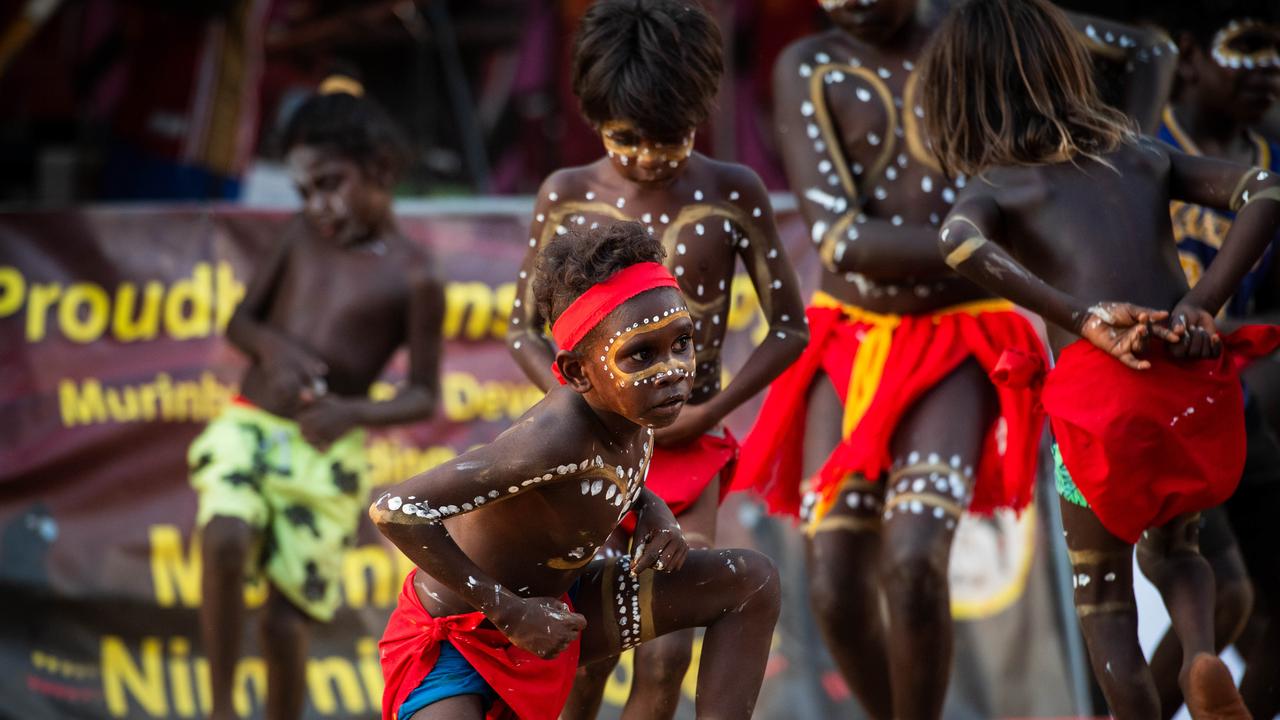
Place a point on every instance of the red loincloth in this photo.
(1144, 446)
(904, 357)
(528, 687)
(679, 475)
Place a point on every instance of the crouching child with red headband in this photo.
(508, 598)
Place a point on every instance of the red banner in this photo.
(111, 361)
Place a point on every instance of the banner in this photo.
(112, 358)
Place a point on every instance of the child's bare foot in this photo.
(1211, 693)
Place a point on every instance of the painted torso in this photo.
(707, 217)
(860, 127)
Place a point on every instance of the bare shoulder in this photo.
(413, 258)
(550, 428)
(569, 182)
(1150, 151)
(802, 54)
(734, 182)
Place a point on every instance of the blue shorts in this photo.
(452, 676)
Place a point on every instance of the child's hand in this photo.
(543, 626)
(660, 544)
(290, 371)
(1197, 331)
(1122, 330)
(325, 419)
(693, 422)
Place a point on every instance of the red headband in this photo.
(595, 304)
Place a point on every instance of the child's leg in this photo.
(661, 663)
(226, 543)
(734, 594)
(1233, 601)
(458, 707)
(590, 680)
(588, 690)
(1102, 574)
(1170, 558)
(844, 596)
(285, 632)
(935, 449)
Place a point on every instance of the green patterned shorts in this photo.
(305, 503)
(1062, 480)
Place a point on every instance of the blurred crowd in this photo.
(113, 100)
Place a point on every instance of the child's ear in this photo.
(573, 370)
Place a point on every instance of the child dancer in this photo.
(1069, 193)
(646, 72)
(889, 416)
(281, 473)
(509, 600)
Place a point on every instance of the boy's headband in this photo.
(594, 305)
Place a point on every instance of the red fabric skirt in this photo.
(1144, 446)
(908, 355)
(679, 475)
(528, 687)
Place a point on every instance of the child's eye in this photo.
(681, 344)
(642, 356)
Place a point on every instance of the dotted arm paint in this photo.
(778, 288)
(526, 338)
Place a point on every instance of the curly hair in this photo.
(573, 262)
(655, 63)
(1008, 82)
(351, 125)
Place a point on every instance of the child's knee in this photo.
(1232, 604)
(757, 583)
(914, 567)
(840, 590)
(915, 581)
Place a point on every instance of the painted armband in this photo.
(1253, 186)
(958, 250)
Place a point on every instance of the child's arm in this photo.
(659, 541)
(290, 367)
(778, 288)
(1148, 59)
(1254, 195)
(410, 515)
(327, 417)
(526, 338)
(847, 240)
(1120, 329)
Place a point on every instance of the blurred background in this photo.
(139, 182)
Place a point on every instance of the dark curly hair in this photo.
(655, 63)
(355, 127)
(571, 263)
